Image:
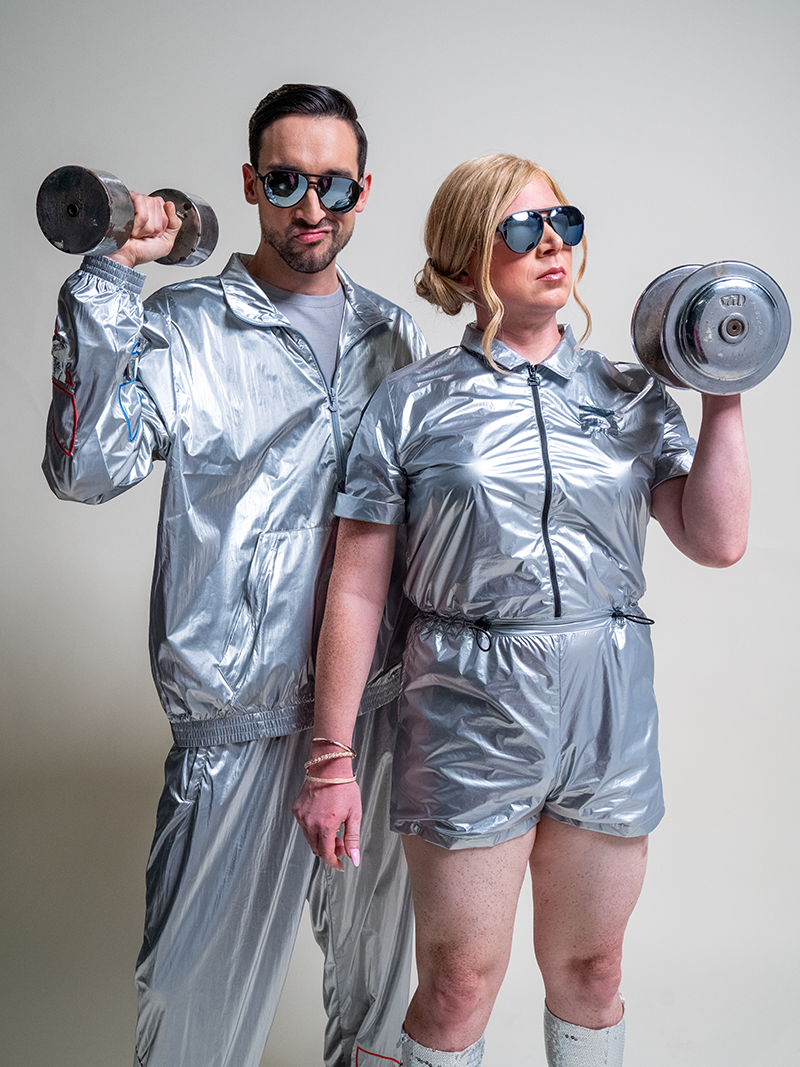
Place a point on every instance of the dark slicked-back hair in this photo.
(316, 101)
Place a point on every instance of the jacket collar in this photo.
(248, 301)
(561, 361)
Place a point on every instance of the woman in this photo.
(525, 469)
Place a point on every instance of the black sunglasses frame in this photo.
(564, 218)
(354, 190)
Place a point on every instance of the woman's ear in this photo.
(465, 278)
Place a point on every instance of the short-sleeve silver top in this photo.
(525, 490)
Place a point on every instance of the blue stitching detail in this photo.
(131, 435)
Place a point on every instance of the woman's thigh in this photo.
(585, 886)
(465, 901)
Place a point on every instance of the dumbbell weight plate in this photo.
(648, 318)
(199, 230)
(725, 328)
(84, 211)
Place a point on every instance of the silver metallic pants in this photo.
(228, 875)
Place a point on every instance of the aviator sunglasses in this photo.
(523, 230)
(285, 188)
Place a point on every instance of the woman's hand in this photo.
(321, 810)
(356, 595)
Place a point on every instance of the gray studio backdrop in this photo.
(674, 127)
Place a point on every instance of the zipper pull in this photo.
(533, 374)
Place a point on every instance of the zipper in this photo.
(338, 443)
(333, 399)
(306, 351)
(534, 380)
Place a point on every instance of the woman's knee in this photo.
(591, 979)
(456, 988)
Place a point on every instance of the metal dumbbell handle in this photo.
(90, 212)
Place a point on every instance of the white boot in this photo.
(416, 1055)
(568, 1045)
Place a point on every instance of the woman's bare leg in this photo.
(464, 905)
(585, 886)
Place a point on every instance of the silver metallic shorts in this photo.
(557, 719)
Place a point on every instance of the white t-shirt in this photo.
(317, 318)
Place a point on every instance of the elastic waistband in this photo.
(483, 628)
(252, 725)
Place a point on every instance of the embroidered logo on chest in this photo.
(598, 420)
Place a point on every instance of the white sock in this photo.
(568, 1045)
(416, 1055)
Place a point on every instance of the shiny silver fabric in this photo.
(228, 876)
(211, 379)
(560, 720)
(526, 494)
(526, 497)
(208, 377)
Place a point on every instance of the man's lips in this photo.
(310, 236)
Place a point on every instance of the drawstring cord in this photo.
(481, 629)
(618, 613)
(459, 624)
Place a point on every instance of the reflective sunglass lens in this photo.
(568, 224)
(522, 231)
(284, 188)
(338, 194)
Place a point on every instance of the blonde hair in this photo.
(462, 220)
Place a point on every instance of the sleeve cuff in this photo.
(365, 510)
(677, 469)
(108, 270)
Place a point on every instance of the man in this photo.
(249, 386)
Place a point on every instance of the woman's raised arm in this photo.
(706, 513)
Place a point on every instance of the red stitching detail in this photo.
(377, 1055)
(58, 385)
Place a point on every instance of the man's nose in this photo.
(311, 207)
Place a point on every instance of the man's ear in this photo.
(250, 183)
(366, 185)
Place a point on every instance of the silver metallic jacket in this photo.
(210, 378)
(526, 494)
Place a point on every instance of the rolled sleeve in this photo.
(677, 446)
(375, 490)
(366, 510)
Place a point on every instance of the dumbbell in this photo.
(90, 212)
(720, 328)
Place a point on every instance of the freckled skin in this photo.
(585, 886)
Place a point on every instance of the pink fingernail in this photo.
(355, 856)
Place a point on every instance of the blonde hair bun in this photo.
(440, 291)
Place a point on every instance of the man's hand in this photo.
(155, 228)
(321, 810)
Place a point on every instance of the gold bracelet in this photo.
(328, 756)
(331, 781)
(338, 744)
